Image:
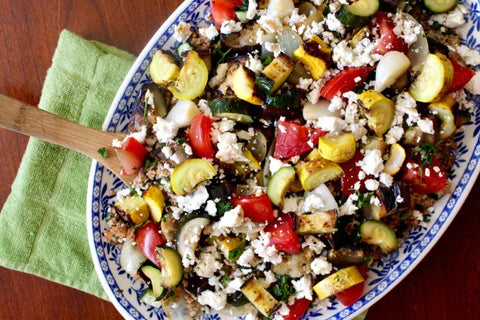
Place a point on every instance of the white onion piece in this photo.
(182, 113)
(322, 198)
(418, 52)
(390, 67)
(317, 110)
(131, 258)
(280, 8)
(289, 41)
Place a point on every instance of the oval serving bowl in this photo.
(125, 292)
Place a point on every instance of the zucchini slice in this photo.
(386, 206)
(434, 79)
(380, 111)
(230, 108)
(314, 53)
(440, 6)
(246, 167)
(379, 234)
(358, 13)
(156, 202)
(243, 84)
(163, 68)
(172, 268)
(155, 276)
(317, 223)
(316, 172)
(183, 49)
(275, 74)
(134, 208)
(259, 297)
(189, 232)
(339, 149)
(395, 159)
(337, 282)
(279, 183)
(232, 247)
(443, 110)
(189, 173)
(285, 101)
(192, 78)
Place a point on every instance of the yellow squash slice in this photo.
(314, 53)
(339, 149)
(163, 68)
(443, 110)
(380, 111)
(189, 173)
(316, 172)
(395, 159)
(156, 202)
(243, 84)
(192, 79)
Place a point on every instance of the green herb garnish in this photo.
(243, 7)
(145, 110)
(363, 199)
(267, 60)
(223, 206)
(283, 288)
(103, 152)
(181, 140)
(426, 151)
(234, 254)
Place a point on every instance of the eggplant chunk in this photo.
(345, 257)
(388, 203)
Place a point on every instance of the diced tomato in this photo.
(148, 238)
(461, 76)
(199, 136)
(293, 139)
(283, 235)
(351, 295)
(350, 177)
(344, 82)
(257, 208)
(131, 156)
(388, 40)
(297, 309)
(222, 10)
(430, 181)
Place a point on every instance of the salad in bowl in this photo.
(283, 149)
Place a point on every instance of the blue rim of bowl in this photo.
(389, 280)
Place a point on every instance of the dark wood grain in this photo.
(446, 284)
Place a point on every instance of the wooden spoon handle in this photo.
(26, 119)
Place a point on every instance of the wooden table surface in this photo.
(445, 285)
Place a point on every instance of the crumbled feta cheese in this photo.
(470, 56)
(362, 54)
(407, 29)
(232, 218)
(375, 201)
(394, 135)
(320, 266)
(313, 243)
(246, 258)
(371, 184)
(230, 26)
(418, 215)
(280, 8)
(275, 165)
(229, 150)
(274, 48)
(122, 194)
(264, 250)
(250, 316)
(386, 179)
(296, 18)
(215, 300)
(219, 78)
(333, 125)
(234, 286)
(225, 125)
(304, 83)
(303, 287)
(334, 24)
(165, 130)
(426, 125)
(211, 208)
(348, 208)
(188, 150)
(207, 263)
(335, 104)
(254, 63)
(269, 278)
(313, 201)
(192, 201)
(427, 172)
(282, 311)
(399, 199)
(149, 98)
(473, 86)
(252, 9)
(372, 163)
(293, 204)
(182, 32)
(270, 24)
(452, 19)
(117, 143)
(209, 32)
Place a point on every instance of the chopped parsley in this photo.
(103, 152)
(148, 163)
(133, 191)
(426, 151)
(243, 7)
(267, 60)
(145, 110)
(283, 288)
(217, 52)
(224, 206)
(363, 199)
(181, 140)
(234, 254)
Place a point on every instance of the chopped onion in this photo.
(131, 258)
(289, 41)
(182, 113)
(418, 51)
(280, 8)
(390, 67)
(324, 199)
(317, 110)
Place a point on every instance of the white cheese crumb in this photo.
(348, 208)
(418, 215)
(230, 26)
(426, 125)
(211, 208)
(232, 218)
(394, 134)
(270, 24)
(182, 32)
(334, 24)
(219, 78)
(320, 266)
(165, 130)
(275, 165)
(229, 150)
(303, 287)
(473, 86)
(254, 63)
(252, 9)
(209, 32)
(372, 163)
(313, 243)
(246, 258)
(470, 56)
(452, 19)
(215, 300)
(192, 201)
(264, 250)
(333, 125)
(274, 48)
(399, 199)
(386, 179)
(371, 184)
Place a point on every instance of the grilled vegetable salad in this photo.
(282, 150)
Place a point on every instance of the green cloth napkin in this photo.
(42, 224)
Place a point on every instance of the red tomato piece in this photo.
(351, 295)
(131, 156)
(297, 309)
(257, 208)
(350, 177)
(431, 181)
(283, 235)
(344, 82)
(148, 238)
(222, 10)
(135, 147)
(199, 136)
(461, 75)
(293, 139)
(388, 40)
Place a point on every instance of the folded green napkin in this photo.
(42, 224)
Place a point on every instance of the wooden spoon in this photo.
(31, 121)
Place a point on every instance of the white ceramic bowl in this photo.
(125, 292)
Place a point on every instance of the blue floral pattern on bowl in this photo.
(126, 293)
